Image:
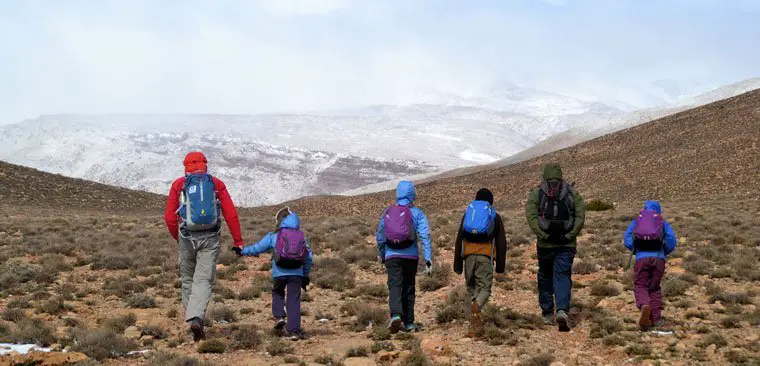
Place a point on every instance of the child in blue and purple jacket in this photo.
(401, 256)
(650, 263)
(290, 279)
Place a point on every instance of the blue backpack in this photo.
(200, 207)
(478, 222)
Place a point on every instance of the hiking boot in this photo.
(659, 327)
(563, 321)
(395, 324)
(296, 336)
(196, 327)
(411, 328)
(549, 319)
(476, 321)
(645, 323)
(279, 324)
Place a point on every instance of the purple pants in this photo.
(647, 275)
(293, 304)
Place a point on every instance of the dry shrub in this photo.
(604, 289)
(332, 273)
(456, 307)
(112, 262)
(277, 347)
(122, 286)
(366, 314)
(541, 359)
(154, 331)
(356, 254)
(16, 271)
(376, 291)
(213, 345)
(223, 313)
(357, 352)
(441, 277)
(54, 306)
(246, 337)
(141, 301)
(599, 205)
(33, 331)
(120, 323)
(173, 359)
(731, 298)
(584, 266)
(13, 314)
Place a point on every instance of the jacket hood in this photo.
(552, 171)
(653, 205)
(195, 162)
(405, 193)
(291, 221)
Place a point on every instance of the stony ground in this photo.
(105, 286)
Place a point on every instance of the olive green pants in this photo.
(478, 273)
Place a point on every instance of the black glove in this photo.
(305, 282)
(238, 251)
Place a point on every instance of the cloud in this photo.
(305, 6)
(288, 55)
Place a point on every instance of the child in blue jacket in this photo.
(401, 264)
(649, 270)
(283, 278)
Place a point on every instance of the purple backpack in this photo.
(399, 227)
(649, 226)
(290, 250)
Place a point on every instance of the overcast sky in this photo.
(197, 56)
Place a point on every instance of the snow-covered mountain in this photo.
(266, 159)
(582, 131)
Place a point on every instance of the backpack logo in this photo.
(192, 189)
(399, 228)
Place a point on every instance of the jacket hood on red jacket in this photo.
(195, 162)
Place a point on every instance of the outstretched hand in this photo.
(428, 268)
(238, 251)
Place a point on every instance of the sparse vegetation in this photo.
(212, 345)
(223, 314)
(332, 273)
(102, 344)
(357, 352)
(440, 277)
(599, 205)
(246, 336)
(277, 347)
(141, 301)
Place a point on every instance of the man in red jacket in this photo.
(199, 250)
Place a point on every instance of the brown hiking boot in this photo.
(476, 322)
(196, 327)
(644, 321)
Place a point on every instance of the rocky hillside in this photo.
(710, 151)
(32, 189)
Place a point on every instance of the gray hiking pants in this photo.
(478, 273)
(198, 253)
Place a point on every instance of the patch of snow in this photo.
(6, 348)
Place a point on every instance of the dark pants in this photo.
(647, 275)
(293, 284)
(402, 274)
(555, 266)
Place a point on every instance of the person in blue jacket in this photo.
(649, 270)
(283, 278)
(401, 264)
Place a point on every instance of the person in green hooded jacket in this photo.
(556, 213)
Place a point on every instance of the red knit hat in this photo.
(195, 161)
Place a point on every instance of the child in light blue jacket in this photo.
(285, 278)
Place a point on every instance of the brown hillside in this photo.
(29, 188)
(709, 151)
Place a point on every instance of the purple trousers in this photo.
(647, 275)
(293, 304)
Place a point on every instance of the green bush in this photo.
(212, 346)
(599, 205)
